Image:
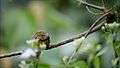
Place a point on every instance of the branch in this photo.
(93, 6)
(86, 33)
(92, 11)
(98, 27)
(11, 54)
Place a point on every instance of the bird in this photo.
(43, 39)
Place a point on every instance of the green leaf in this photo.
(79, 64)
(96, 62)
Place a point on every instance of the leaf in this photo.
(79, 64)
(96, 62)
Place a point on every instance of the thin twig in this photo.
(103, 3)
(11, 54)
(93, 6)
(75, 52)
(92, 11)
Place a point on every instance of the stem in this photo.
(10, 54)
(93, 6)
(92, 11)
(75, 52)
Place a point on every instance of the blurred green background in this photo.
(62, 19)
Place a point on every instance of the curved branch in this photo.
(98, 27)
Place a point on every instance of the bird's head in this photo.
(41, 35)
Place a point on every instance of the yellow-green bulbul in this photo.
(43, 39)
